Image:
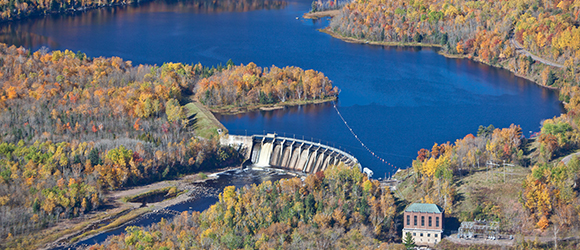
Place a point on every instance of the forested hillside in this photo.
(492, 32)
(337, 208)
(482, 30)
(547, 196)
(72, 128)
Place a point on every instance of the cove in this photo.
(396, 100)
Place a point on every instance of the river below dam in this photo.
(212, 188)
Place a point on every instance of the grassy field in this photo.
(132, 198)
(114, 224)
(480, 194)
(491, 193)
(206, 125)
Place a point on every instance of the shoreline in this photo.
(229, 110)
(360, 41)
(127, 215)
(45, 13)
(320, 14)
(125, 212)
(427, 45)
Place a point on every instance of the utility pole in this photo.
(504, 167)
(490, 163)
(503, 171)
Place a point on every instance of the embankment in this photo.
(233, 110)
(321, 14)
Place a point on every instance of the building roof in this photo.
(424, 208)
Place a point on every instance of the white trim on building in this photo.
(424, 236)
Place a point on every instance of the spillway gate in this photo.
(289, 153)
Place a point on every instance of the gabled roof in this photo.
(424, 208)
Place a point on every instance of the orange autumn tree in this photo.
(549, 190)
(250, 84)
(337, 208)
(74, 127)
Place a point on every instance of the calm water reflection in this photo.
(397, 100)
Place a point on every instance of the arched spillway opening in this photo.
(289, 153)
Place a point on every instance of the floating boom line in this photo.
(358, 139)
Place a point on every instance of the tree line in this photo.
(72, 128)
(250, 85)
(435, 169)
(484, 31)
(548, 195)
(337, 208)
(20, 9)
(481, 30)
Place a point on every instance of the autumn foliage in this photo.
(250, 84)
(338, 209)
(482, 30)
(435, 169)
(549, 194)
(73, 127)
(492, 32)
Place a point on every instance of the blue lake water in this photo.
(397, 100)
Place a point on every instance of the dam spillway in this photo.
(289, 153)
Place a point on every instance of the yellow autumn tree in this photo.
(173, 110)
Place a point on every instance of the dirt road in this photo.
(520, 49)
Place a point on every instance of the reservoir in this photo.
(396, 100)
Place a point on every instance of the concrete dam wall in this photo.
(289, 153)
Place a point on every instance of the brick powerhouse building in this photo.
(424, 222)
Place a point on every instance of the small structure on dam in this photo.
(289, 153)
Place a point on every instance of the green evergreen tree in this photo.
(485, 131)
(551, 79)
(409, 242)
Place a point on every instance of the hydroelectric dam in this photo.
(289, 153)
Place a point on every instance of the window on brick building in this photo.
(421, 234)
(437, 221)
(408, 220)
(415, 220)
(422, 221)
(430, 221)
